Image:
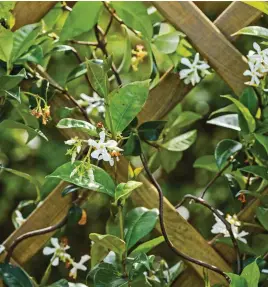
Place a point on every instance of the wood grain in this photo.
(222, 56)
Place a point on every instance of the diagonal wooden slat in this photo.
(151, 193)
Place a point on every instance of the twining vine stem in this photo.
(163, 228)
(30, 234)
(221, 217)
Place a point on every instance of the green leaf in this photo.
(245, 113)
(14, 94)
(82, 19)
(138, 223)
(102, 180)
(228, 109)
(60, 283)
(169, 159)
(77, 72)
(6, 44)
(147, 246)
(181, 142)
(108, 277)
(260, 171)
(32, 133)
(69, 123)
(140, 264)
(207, 162)
(263, 140)
(74, 215)
(151, 130)
(132, 146)
(8, 82)
(98, 78)
(98, 253)
(185, 119)
(125, 103)
(6, 9)
(167, 43)
(233, 184)
(174, 272)
(124, 190)
(243, 247)
(135, 16)
(260, 5)
(253, 31)
(250, 100)
(14, 276)
(224, 150)
(28, 177)
(24, 39)
(252, 274)
(110, 242)
(237, 281)
(34, 55)
(226, 121)
(262, 215)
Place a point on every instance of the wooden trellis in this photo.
(213, 41)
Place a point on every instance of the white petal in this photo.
(56, 261)
(186, 62)
(256, 47)
(49, 250)
(102, 136)
(96, 154)
(111, 144)
(247, 73)
(55, 242)
(196, 59)
(106, 156)
(184, 73)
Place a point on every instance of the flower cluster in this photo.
(219, 227)
(195, 71)
(138, 56)
(42, 112)
(90, 103)
(258, 65)
(58, 252)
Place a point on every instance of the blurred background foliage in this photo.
(40, 158)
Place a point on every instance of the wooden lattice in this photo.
(213, 41)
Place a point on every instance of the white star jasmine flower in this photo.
(2, 248)
(75, 150)
(219, 227)
(254, 73)
(79, 266)
(92, 102)
(191, 74)
(58, 250)
(260, 56)
(103, 148)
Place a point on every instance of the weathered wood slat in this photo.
(171, 215)
(208, 40)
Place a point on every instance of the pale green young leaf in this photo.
(6, 44)
(125, 103)
(167, 43)
(181, 142)
(260, 5)
(185, 119)
(110, 242)
(253, 31)
(102, 181)
(138, 223)
(124, 190)
(262, 215)
(97, 253)
(237, 281)
(69, 123)
(82, 18)
(252, 274)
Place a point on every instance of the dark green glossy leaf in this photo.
(260, 171)
(263, 140)
(69, 189)
(140, 265)
(14, 94)
(77, 72)
(207, 162)
(14, 276)
(102, 180)
(8, 82)
(132, 146)
(138, 223)
(60, 283)
(151, 130)
(224, 150)
(35, 55)
(233, 184)
(82, 19)
(125, 103)
(74, 215)
(262, 215)
(250, 100)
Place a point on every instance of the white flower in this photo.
(79, 266)
(259, 55)
(254, 73)
(2, 248)
(71, 141)
(19, 218)
(92, 102)
(191, 74)
(75, 150)
(102, 148)
(58, 250)
(219, 227)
